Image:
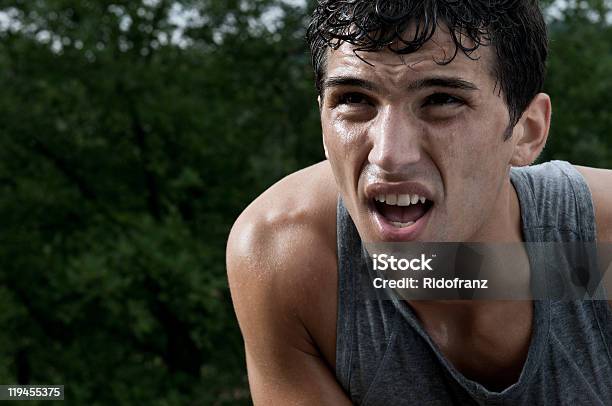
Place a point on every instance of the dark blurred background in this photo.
(133, 133)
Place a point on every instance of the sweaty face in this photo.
(417, 148)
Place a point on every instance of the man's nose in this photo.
(396, 140)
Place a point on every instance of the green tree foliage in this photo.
(124, 158)
(130, 139)
(579, 83)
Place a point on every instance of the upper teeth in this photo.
(400, 199)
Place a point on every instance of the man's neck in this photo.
(504, 220)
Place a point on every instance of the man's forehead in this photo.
(440, 48)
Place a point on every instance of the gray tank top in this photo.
(385, 357)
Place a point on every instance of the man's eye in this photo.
(441, 99)
(353, 98)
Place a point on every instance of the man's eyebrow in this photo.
(442, 81)
(337, 81)
(437, 81)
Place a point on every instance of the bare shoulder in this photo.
(600, 184)
(302, 201)
(281, 260)
(289, 221)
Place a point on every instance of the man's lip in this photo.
(388, 232)
(382, 188)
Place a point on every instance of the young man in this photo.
(425, 107)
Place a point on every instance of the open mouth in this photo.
(401, 210)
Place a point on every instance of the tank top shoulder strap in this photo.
(557, 206)
(349, 244)
(556, 203)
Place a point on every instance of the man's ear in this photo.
(531, 131)
(324, 146)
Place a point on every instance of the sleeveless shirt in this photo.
(385, 357)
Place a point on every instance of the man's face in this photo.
(406, 126)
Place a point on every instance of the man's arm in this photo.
(600, 184)
(275, 269)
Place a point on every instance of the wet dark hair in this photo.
(515, 28)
